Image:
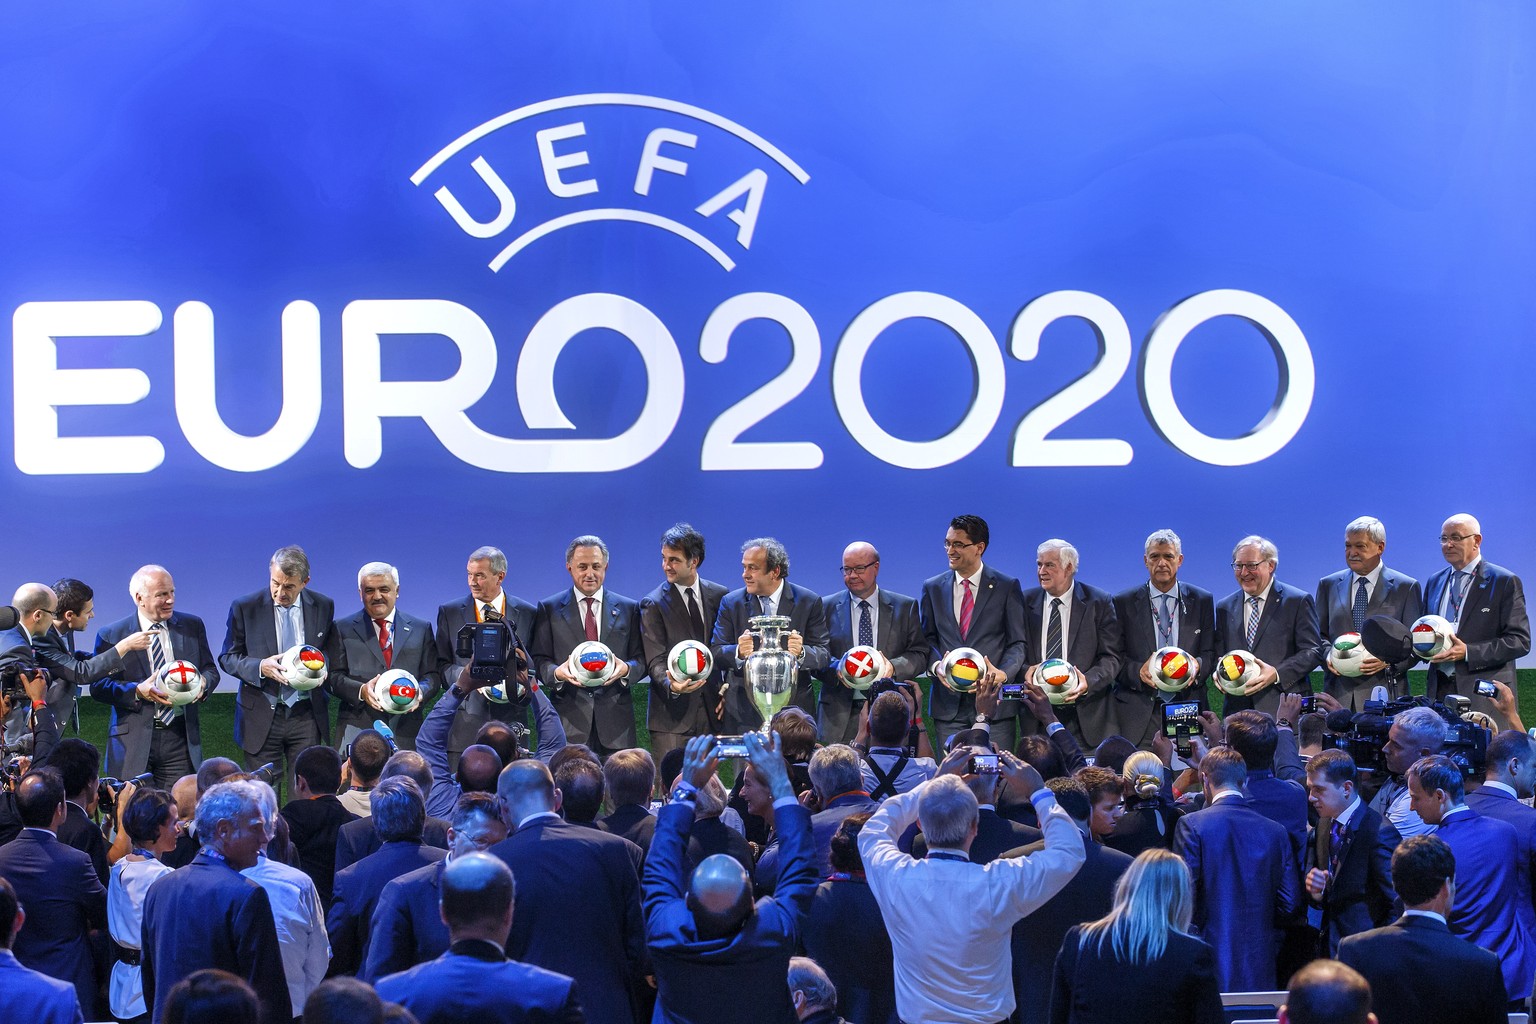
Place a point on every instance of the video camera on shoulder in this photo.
(494, 652)
(1362, 736)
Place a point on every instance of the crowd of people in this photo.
(991, 856)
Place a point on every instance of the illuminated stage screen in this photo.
(395, 280)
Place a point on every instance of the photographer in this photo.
(1415, 733)
(885, 724)
(79, 765)
(20, 680)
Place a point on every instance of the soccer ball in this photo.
(1057, 678)
(691, 664)
(860, 667)
(962, 669)
(1348, 652)
(1431, 634)
(304, 667)
(397, 691)
(495, 694)
(181, 682)
(1172, 669)
(1235, 670)
(592, 663)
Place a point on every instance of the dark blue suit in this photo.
(1288, 641)
(1137, 705)
(898, 635)
(1395, 595)
(997, 631)
(1247, 887)
(1493, 625)
(1496, 803)
(845, 933)
(451, 617)
(354, 657)
(357, 839)
(63, 898)
(251, 637)
(1281, 801)
(407, 928)
(68, 669)
(471, 982)
(1092, 645)
(1488, 909)
(825, 822)
(1422, 974)
(803, 608)
(131, 733)
(693, 974)
(602, 718)
(33, 997)
(356, 893)
(1360, 896)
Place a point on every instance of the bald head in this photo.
(526, 787)
(720, 895)
(861, 568)
(1461, 540)
(478, 892)
(478, 767)
(35, 604)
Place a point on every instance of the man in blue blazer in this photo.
(1511, 779)
(682, 608)
(379, 638)
(1347, 598)
(1486, 605)
(487, 570)
(273, 722)
(57, 884)
(1065, 618)
(602, 718)
(708, 940)
(1275, 622)
(1348, 861)
(29, 995)
(767, 591)
(68, 668)
(994, 627)
(475, 980)
(1163, 612)
(864, 613)
(146, 733)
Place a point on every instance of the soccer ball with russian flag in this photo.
(181, 682)
(962, 669)
(1430, 634)
(1172, 669)
(397, 692)
(592, 664)
(304, 667)
(860, 667)
(690, 664)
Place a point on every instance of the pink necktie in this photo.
(591, 622)
(967, 605)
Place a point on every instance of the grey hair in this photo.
(411, 765)
(378, 569)
(495, 556)
(807, 978)
(947, 811)
(1069, 558)
(586, 540)
(1422, 727)
(1370, 525)
(140, 579)
(291, 561)
(1267, 549)
(774, 554)
(1157, 537)
(227, 801)
(836, 770)
(712, 799)
(1144, 771)
(398, 808)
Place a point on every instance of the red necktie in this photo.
(967, 605)
(386, 646)
(591, 622)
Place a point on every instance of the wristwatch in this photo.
(981, 719)
(685, 792)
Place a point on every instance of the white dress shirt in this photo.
(597, 608)
(1174, 607)
(1251, 614)
(162, 639)
(499, 603)
(1066, 620)
(1445, 596)
(126, 888)
(300, 924)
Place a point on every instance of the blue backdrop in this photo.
(823, 271)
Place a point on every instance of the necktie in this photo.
(386, 642)
(163, 714)
(1253, 622)
(866, 628)
(1053, 630)
(288, 638)
(488, 613)
(1359, 609)
(967, 606)
(591, 620)
(1458, 595)
(694, 615)
(767, 603)
(1335, 833)
(1164, 620)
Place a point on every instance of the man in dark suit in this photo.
(35, 606)
(1255, 736)
(67, 668)
(487, 570)
(1489, 909)
(147, 733)
(79, 767)
(682, 608)
(973, 605)
(1273, 621)
(407, 927)
(1485, 604)
(58, 884)
(1511, 779)
(603, 717)
(631, 777)
(357, 839)
(30, 995)
(315, 815)
(767, 591)
(1349, 863)
(209, 915)
(1163, 612)
(273, 721)
(1087, 897)
(705, 933)
(1064, 618)
(1245, 877)
(475, 979)
(1421, 973)
(1348, 597)
(373, 641)
(865, 614)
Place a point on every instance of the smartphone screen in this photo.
(1184, 713)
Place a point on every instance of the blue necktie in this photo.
(1360, 599)
(1458, 595)
(1253, 622)
(866, 629)
(287, 639)
(1164, 620)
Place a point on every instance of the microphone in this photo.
(385, 731)
(1379, 693)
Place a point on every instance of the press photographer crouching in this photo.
(22, 684)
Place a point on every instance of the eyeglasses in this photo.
(855, 570)
(1455, 538)
(957, 545)
(1247, 566)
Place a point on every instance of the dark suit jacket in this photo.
(1487, 909)
(605, 715)
(64, 900)
(805, 616)
(68, 670)
(357, 840)
(209, 915)
(898, 635)
(845, 933)
(250, 637)
(1180, 987)
(664, 623)
(752, 964)
(34, 997)
(997, 631)
(1494, 627)
(133, 721)
(1288, 640)
(357, 891)
(1247, 887)
(995, 837)
(353, 658)
(578, 910)
(711, 836)
(477, 710)
(466, 984)
(315, 825)
(1038, 938)
(1283, 802)
(1137, 704)
(1148, 825)
(1422, 974)
(1360, 897)
(80, 832)
(1396, 595)
(1495, 803)
(407, 927)
(825, 822)
(634, 822)
(1092, 645)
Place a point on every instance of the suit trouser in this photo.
(170, 757)
(292, 730)
(661, 742)
(838, 721)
